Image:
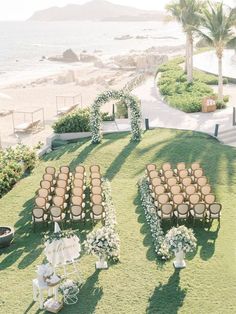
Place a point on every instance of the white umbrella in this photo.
(62, 251)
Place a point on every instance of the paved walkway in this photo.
(162, 115)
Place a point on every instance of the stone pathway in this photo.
(162, 115)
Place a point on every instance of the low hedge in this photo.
(13, 163)
(77, 121)
(182, 95)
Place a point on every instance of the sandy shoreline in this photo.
(88, 80)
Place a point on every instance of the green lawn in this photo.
(139, 283)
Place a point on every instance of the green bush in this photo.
(179, 93)
(77, 121)
(220, 104)
(13, 163)
(107, 117)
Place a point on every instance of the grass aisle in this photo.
(138, 284)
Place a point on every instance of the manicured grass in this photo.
(139, 283)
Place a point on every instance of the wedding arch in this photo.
(96, 120)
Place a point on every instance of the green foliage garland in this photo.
(129, 100)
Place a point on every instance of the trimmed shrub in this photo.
(77, 121)
(13, 163)
(107, 117)
(206, 78)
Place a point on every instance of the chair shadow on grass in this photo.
(167, 298)
(25, 241)
(89, 296)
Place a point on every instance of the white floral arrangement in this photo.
(96, 120)
(180, 239)
(152, 219)
(103, 242)
(110, 211)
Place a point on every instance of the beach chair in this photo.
(66, 109)
(27, 127)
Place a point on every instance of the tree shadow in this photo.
(82, 155)
(89, 296)
(120, 159)
(167, 298)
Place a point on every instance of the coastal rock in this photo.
(68, 56)
(69, 77)
(125, 61)
(85, 57)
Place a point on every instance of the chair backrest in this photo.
(153, 174)
(48, 177)
(50, 170)
(199, 209)
(156, 181)
(95, 175)
(166, 166)
(168, 174)
(178, 199)
(159, 189)
(79, 175)
(55, 211)
(190, 189)
(60, 191)
(45, 184)
(186, 181)
(58, 201)
(210, 199)
(194, 199)
(40, 202)
(62, 176)
(97, 210)
(183, 173)
(171, 181)
(180, 166)
(163, 198)
(201, 181)
(80, 169)
(215, 208)
(167, 209)
(78, 191)
(183, 209)
(195, 166)
(76, 200)
(96, 182)
(78, 183)
(96, 190)
(76, 210)
(94, 168)
(42, 193)
(198, 173)
(96, 199)
(206, 189)
(65, 169)
(151, 167)
(38, 213)
(62, 184)
(175, 189)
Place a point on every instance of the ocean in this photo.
(23, 44)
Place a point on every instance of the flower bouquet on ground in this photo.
(105, 244)
(179, 241)
(70, 290)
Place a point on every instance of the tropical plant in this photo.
(217, 22)
(187, 13)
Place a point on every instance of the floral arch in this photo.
(132, 102)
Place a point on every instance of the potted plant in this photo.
(104, 243)
(179, 241)
(6, 236)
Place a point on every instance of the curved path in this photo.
(162, 115)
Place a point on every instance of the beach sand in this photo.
(87, 81)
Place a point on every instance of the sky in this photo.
(23, 9)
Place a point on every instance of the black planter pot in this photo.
(6, 236)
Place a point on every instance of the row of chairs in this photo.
(62, 191)
(182, 192)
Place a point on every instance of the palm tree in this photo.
(187, 12)
(217, 23)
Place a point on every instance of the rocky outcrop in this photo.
(144, 62)
(68, 56)
(86, 57)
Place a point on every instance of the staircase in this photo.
(228, 137)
